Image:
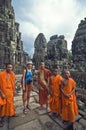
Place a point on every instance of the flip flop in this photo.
(25, 111)
(28, 107)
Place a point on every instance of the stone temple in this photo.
(55, 52)
(79, 46)
(11, 45)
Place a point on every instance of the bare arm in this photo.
(23, 82)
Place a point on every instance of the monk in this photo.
(27, 85)
(55, 101)
(43, 82)
(7, 86)
(69, 106)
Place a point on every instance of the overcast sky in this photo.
(49, 17)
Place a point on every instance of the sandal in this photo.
(24, 111)
(28, 107)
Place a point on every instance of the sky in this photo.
(49, 17)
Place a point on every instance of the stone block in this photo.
(82, 113)
(32, 125)
(49, 123)
(22, 119)
(78, 117)
(83, 122)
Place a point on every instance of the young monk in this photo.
(27, 84)
(55, 101)
(43, 82)
(7, 86)
(69, 106)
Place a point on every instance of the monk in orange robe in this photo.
(43, 82)
(69, 106)
(7, 85)
(55, 101)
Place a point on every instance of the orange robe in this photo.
(55, 103)
(7, 83)
(69, 106)
(2, 101)
(43, 92)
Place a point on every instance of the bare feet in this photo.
(48, 109)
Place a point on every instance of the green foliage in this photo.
(70, 56)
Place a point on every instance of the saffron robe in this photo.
(69, 105)
(55, 101)
(2, 101)
(43, 80)
(7, 83)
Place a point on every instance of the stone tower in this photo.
(56, 51)
(40, 51)
(11, 45)
(79, 47)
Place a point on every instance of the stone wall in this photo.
(80, 78)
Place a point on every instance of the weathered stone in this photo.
(49, 123)
(16, 121)
(40, 51)
(78, 117)
(78, 126)
(11, 45)
(82, 113)
(41, 112)
(81, 104)
(34, 105)
(79, 47)
(83, 122)
(56, 51)
(33, 125)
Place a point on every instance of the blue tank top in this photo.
(28, 76)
